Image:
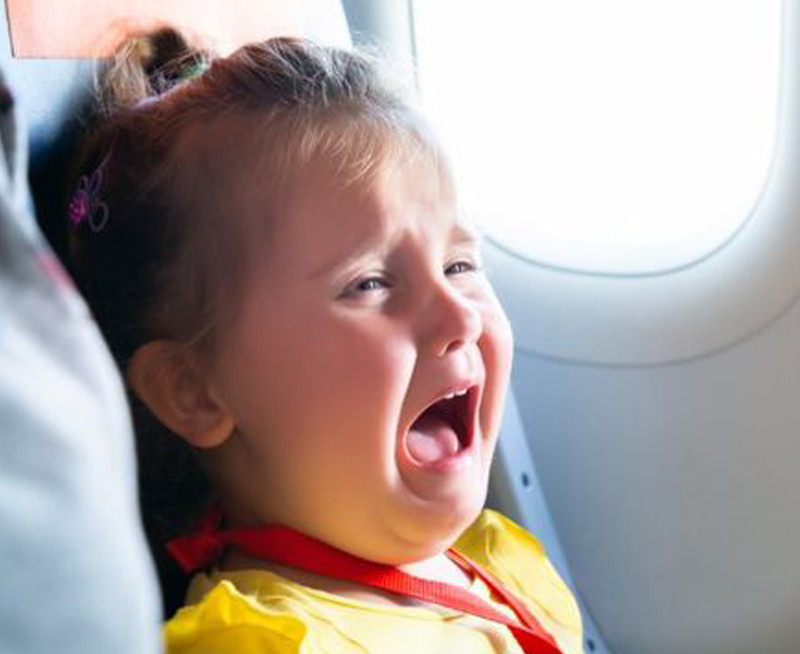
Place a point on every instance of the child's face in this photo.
(324, 373)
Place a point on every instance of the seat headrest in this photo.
(48, 93)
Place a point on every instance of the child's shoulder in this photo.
(492, 533)
(228, 621)
(519, 560)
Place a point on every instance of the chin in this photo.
(444, 522)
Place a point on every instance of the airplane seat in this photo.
(51, 96)
(516, 490)
(76, 574)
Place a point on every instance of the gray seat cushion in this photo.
(77, 577)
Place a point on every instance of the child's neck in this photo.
(437, 568)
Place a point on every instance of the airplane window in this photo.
(624, 136)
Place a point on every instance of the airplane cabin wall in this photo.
(663, 412)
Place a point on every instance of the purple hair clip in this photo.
(85, 205)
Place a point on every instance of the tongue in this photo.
(431, 439)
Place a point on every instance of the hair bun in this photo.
(150, 63)
(167, 56)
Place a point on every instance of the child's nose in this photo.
(452, 318)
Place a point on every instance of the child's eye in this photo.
(365, 286)
(468, 266)
(376, 283)
(371, 284)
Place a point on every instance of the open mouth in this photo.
(443, 429)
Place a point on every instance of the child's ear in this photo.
(170, 381)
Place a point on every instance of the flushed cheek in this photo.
(349, 445)
(361, 380)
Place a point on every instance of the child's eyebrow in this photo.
(460, 234)
(464, 233)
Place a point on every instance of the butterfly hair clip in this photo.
(85, 204)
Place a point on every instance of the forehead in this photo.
(327, 217)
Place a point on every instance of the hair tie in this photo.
(194, 70)
(197, 68)
(85, 204)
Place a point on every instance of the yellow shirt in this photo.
(260, 612)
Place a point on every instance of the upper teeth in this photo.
(455, 394)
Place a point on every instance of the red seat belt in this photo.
(290, 547)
